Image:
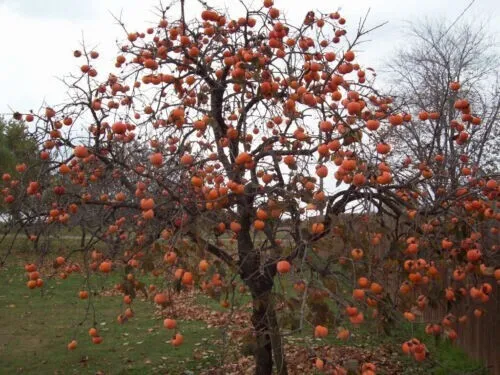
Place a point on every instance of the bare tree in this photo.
(425, 72)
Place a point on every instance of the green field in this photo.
(35, 328)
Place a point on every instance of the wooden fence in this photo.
(479, 337)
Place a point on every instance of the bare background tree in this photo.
(436, 54)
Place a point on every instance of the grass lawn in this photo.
(35, 329)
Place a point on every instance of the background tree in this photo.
(439, 63)
(15, 145)
(250, 140)
(17, 149)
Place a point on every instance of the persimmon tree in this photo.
(252, 141)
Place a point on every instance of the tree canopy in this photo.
(220, 149)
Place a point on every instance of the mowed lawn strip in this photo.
(35, 330)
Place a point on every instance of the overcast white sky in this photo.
(38, 36)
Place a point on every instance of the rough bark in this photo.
(259, 280)
(263, 349)
(276, 341)
(269, 348)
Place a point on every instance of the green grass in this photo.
(453, 361)
(35, 330)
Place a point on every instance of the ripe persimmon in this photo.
(119, 127)
(187, 159)
(83, 294)
(203, 265)
(177, 340)
(317, 228)
(259, 224)
(97, 340)
(320, 331)
(72, 345)
(31, 284)
(187, 278)
(81, 152)
(105, 267)
(343, 334)
(161, 298)
(283, 266)
(170, 257)
(93, 332)
(357, 254)
(349, 55)
(170, 323)
(147, 204)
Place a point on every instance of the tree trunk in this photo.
(263, 349)
(276, 342)
(259, 280)
(269, 348)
